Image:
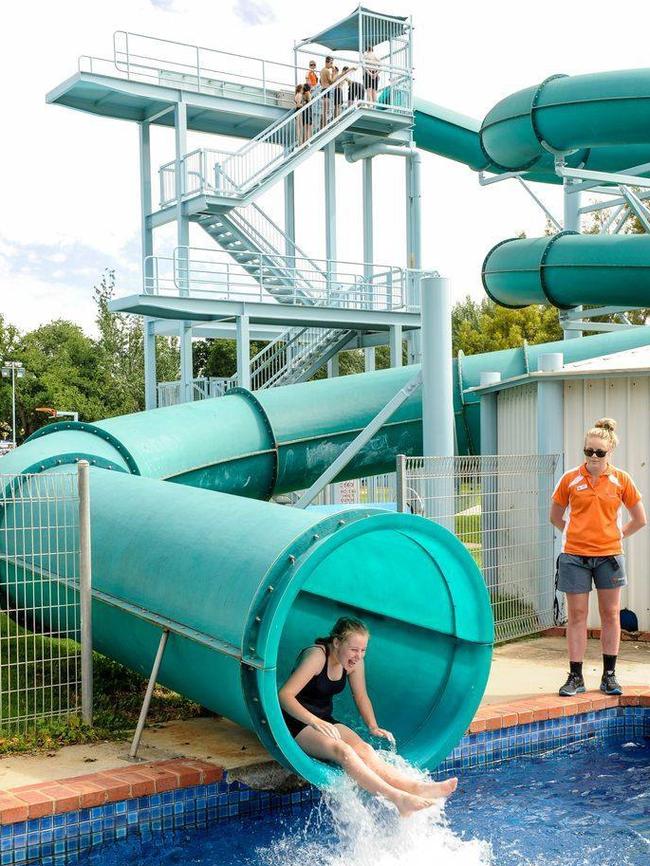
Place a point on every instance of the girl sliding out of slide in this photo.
(322, 671)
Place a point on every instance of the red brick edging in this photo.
(95, 789)
(538, 709)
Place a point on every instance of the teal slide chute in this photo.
(599, 122)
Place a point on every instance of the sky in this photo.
(69, 187)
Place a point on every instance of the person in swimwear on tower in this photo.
(306, 700)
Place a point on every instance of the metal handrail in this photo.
(247, 167)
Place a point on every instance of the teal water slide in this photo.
(599, 122)
(185, 539)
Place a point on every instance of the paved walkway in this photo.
(525, 670)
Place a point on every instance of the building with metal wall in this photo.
(616, 386)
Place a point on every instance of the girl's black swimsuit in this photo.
(317, 696)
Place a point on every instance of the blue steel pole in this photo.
(571, 223)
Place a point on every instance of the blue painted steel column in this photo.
(182, 242)
(437, 392)
(413, 244)
(290, 218)
(146, 235)
(329, 155)
(550, 440)
(369, 360)
(150, 385)
(333, 367)
(395, 345)
(368, 234)
(571, 223)
(243, 352)
(550, 407)
(489, 486)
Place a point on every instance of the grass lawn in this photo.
(39, 678)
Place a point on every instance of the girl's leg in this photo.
(391, 774)
(338, 751)
(576, 630)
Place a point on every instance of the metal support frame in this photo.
(360, 440)
(571, 202)
(146, 243)
(146, 703)
(437, 386)
(243, 351)
(182, 242)
(329, 155)
(395, 345)
(489, 485)
(414, 241)
(85, 592)
(187, 367)
(368, 227)
(550, 440)
(290, 216)
(150, 375)
(333, 368)
(369, 360)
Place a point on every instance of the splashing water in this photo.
(352, 828)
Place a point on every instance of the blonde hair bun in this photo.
(606, 424)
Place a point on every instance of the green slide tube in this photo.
(569, 269)
(243, 585)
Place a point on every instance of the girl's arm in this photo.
(637, 520)
(556, 516)
(310, 666)
(360, 694)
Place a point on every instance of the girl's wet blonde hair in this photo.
(604, 429)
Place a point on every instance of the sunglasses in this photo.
(589, 452)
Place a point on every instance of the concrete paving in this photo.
(519, 670)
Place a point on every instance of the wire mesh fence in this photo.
(40, 657)
(497, 505)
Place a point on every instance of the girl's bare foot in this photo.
(408, 804)
(438, 789)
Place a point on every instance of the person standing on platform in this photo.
(587, 508)
(326, 80)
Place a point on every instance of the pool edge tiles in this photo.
(54, 822)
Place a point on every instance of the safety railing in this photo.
(44, 566)
(137, 57)
(170, 394)
(497, 505)
(288, 279)
(251, 228)
(231, 175)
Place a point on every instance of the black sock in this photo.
(576, 668)
(609, 664)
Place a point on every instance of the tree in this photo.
(62, 371)
(121, 354)
(483, 326)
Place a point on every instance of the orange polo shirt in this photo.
(593, 512)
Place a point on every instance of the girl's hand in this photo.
(380, 732)
(326, 728)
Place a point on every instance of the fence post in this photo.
(85, 593)
(401, 495)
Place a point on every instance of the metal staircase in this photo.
(239, 178)
(255, 242)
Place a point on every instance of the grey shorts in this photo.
(576, 573)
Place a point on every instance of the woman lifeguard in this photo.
(587, 508)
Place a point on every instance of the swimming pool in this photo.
(585, 805)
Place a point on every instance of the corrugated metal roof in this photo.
(630, 359)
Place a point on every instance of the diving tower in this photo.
(250, 275)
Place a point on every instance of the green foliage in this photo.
(45, 667)
(483, 326)
(70, 371)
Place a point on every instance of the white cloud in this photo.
(70, 179)
(254, 12)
